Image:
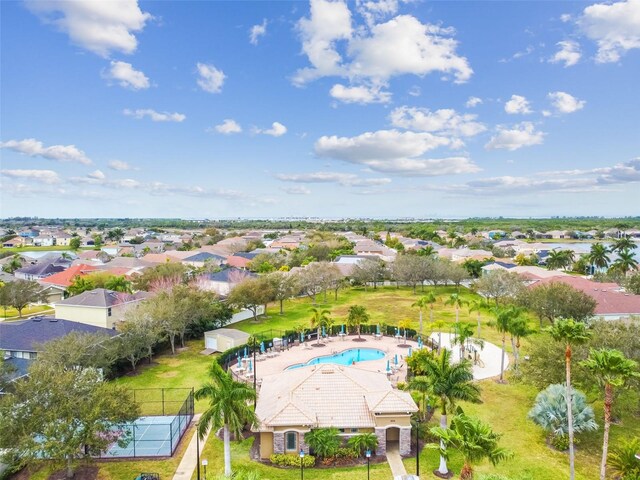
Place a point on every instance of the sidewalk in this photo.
(189, 461)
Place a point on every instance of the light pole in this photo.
(368, 455)
(301, 464)
(198, 451)
(255, 376)
(418, 446)
(204, 465)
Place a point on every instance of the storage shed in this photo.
(224, 338)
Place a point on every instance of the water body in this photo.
(347, 357)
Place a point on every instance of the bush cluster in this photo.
(289, 460)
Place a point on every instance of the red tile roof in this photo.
(610, 300)
(64, 279)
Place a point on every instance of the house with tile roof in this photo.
(65, 278)
(99, 307)
(348, 398)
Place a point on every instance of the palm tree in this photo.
(518, 328)
(450, 383)
(504, 318)
(12, 265)
(611, 369)
(439, 325)
(550, 412)
(479, 306)
(598, 256)
(623, 460)
(622, 244)
(422, 385)
(229, 408)
(464, 332)
(474, 439)
(555, 260)
(571, 333)
(363, 441)
(625, 261)
(357, 316)
(320, 319)
(457, 301)
(422, 302)
(118, 284)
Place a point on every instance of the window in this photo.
(292, 441)
(109, 312)
(354, 430)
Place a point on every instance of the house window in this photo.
(292, 441)
(354, 430)
(109, 312)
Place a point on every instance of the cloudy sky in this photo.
(381, 108)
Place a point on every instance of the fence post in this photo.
(133, 429)
(171, 437)
(163, 402)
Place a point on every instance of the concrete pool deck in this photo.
(391, 346)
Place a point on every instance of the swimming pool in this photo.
(346, 357)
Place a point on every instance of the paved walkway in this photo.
(395, 462)
(489, 355)
(189, 461)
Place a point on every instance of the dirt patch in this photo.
(359, 339)
(88, 472)
(174, 362)
(171, 374)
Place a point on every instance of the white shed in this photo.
(223, 339)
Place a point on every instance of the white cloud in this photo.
(445, 121)
(614, 27)
(415, 91)
(360, 94)
(98, 26)
(473, 102)
(373, 10)
(394, 152)
(346, 179)
(210, 79)
(42, 176)
(517, 105)
(35, 148)
(277, 130)
(126, 76)
(97, 174)
(627, 172)
(374, 53)
(568, 53)
(257, 31)
(565, 17)
(155, 116)
(521, 135)
(565, 103)
(296, 190)
(228, 126)
(119, 165)
(523, 53)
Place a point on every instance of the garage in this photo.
(223, 339)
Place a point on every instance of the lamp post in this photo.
(418, 446)
(301, 464)
(368, 455)
(204, 465)
(198, 451)
(255, 376)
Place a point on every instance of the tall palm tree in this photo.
(450, 383)
(568, 257)
(611, 369)
(504, 318)
(474, 439)
(422, 303)
(625, 261)
(571, 333)
(229, 408)
(478, 306)
(598, 256)
(358, 315)
(623, 243)
(422, 385)
(320, 319)
(12, 265)
(457, 302)
(555, 260)
(464, 332)
(518, 328)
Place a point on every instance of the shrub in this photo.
(289, 460)
(623, 460)
(323, 441)
(561, 442)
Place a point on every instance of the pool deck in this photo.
(271, 364)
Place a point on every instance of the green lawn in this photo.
(39, 249)
(29, 310)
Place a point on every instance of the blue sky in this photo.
(383, 108)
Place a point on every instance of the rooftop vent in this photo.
(53, 319)
(37, 318)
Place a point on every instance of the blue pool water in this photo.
(347, 357)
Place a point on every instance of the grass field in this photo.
(28, 310)
(39, 249)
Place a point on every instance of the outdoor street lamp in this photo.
(368, 455)
(204, 464)
(301, 464)
(418, 446)
(255, 376)
(198, 451)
